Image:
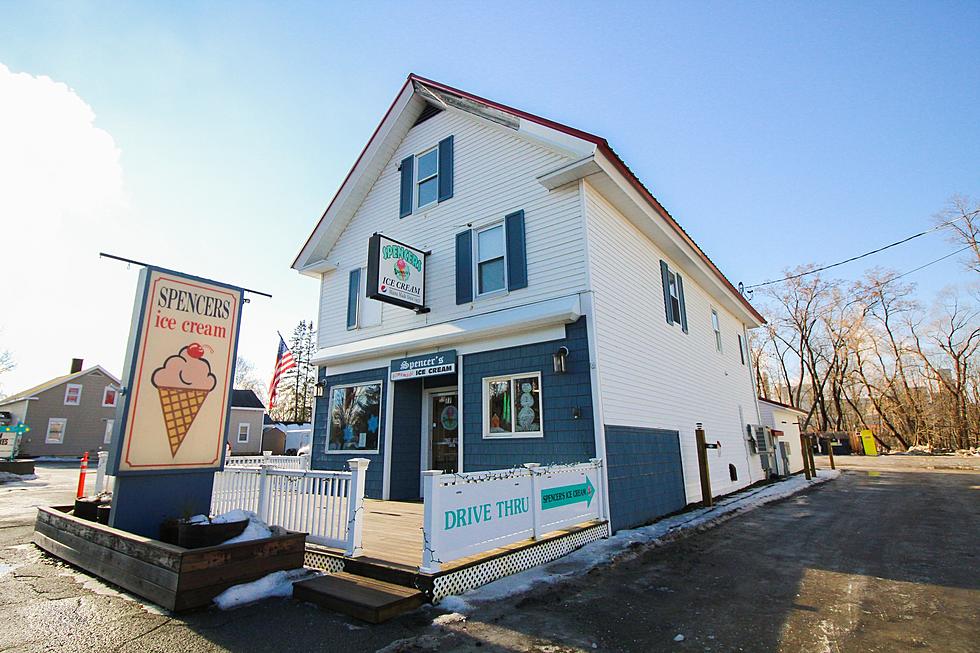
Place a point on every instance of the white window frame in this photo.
(68, 389)
(514, 434)
(716, 327)
(115, 396)
(476, 260)
(109, 423)
(418, 182)
(742, 348)
(64, 427)
(381, 417)
(248, 430)
(675, 296)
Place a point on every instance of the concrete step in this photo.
(367, 599)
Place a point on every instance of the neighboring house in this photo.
(785, 423)
(569, 314)
(245, 424)
(285, 437)
(67, 415)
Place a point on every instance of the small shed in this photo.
(245, 426)
(785, 420)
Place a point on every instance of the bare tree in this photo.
(246, 379)
(962, 215)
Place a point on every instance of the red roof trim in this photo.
(600, 142)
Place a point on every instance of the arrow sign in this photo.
(565, 495)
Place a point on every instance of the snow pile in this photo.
(255, 530)
(278, 583)
(8, 477)
(605, 551)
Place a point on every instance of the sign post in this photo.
(170, 428)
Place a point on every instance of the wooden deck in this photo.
(392, 539)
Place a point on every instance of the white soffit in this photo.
(562, 310)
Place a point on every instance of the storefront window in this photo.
(512, 406)
(355, 415)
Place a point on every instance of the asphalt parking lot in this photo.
(882, 559)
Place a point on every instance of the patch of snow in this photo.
(256, 529)
(605, 551)
(198, 519)
(276, 584)
(446, 619)
(57, 459)
(5, 569)
(9, 477)
(678, 637)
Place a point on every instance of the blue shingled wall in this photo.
(406, 439)
(566, 440)
(646, 479)
(338, 461)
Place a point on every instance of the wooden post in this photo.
(830, 452)
(532, 468)
(430, 516)
(706, 498)
(809, 454)
(100, 472)
(806, 456)
(355, 506)
(263, 504)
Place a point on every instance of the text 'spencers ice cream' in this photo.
(184, 381)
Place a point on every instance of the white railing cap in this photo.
(359, 464)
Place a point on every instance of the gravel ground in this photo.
(882, 559)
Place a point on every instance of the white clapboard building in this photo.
(499, 289)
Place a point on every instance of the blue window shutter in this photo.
(666, 281)
(680, 300)
(408, 181)
(353, 286)
(516, 251)
(445, 169)
(464, 267)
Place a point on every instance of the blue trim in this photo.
(407, 190)
(464, 267)
(353, 286)
(445, 169)
(516, 251)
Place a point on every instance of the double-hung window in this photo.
(716, 325)
(243, 429)
(109, 397)
(741, 348)
(56, 430)
(491, 260)
(361, 311)
(73, 394)
(512, 406)
(674, 305)
(427, 178)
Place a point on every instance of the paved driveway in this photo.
(882, 559)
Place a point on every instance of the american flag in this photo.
(284, 363)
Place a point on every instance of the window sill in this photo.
(352, 452)
(513, 436)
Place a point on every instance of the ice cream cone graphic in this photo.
(184, 382)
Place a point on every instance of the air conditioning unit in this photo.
(762, 443)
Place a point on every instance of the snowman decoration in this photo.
(525, 416)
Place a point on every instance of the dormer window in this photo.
(427, 178)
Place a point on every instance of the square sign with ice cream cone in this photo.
(171, 424)
(179, 374)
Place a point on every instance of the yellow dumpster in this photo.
(868, 441)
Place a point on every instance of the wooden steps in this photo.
(367, 599)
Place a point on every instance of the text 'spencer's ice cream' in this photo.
(183, 381)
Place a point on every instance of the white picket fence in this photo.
(328, 506)
(467, 514)
(279, 462)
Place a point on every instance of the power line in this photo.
(866, 254)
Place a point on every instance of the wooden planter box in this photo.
(171, 576)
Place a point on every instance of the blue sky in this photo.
(776, 133)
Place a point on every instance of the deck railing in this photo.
(326, 505)
(470, 513)
(279, 462)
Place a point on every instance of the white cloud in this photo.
(61, 196)
(54, 162)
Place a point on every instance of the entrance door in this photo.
(444, 431)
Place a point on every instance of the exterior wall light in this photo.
(559, 359)
(319, 389)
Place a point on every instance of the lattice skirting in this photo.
(323, 562)
(457, 582)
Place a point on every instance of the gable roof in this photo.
(415, 94)
(782, 406)
(58, 380)
(245, 399)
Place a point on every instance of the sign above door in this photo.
(416, 367)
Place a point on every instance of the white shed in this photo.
(786, 420)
